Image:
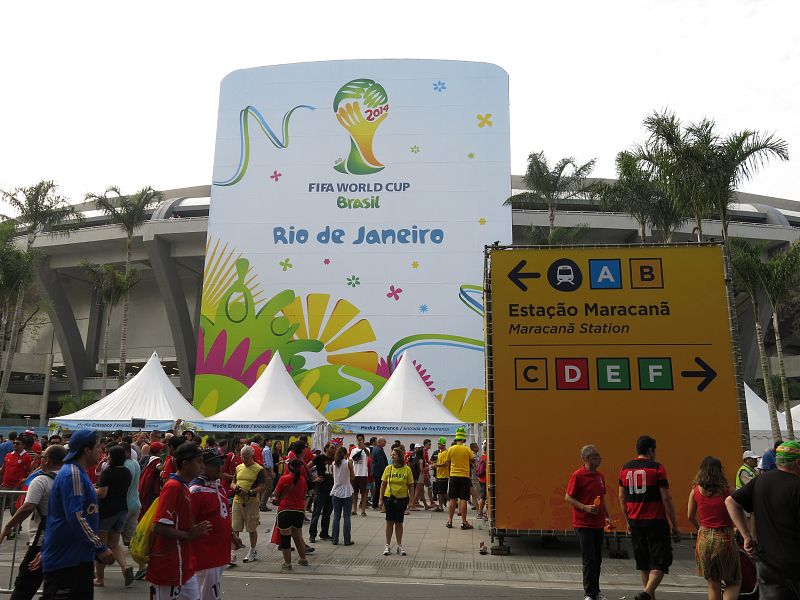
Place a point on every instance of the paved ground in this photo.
(435, 554)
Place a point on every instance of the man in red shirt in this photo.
(646, 502)
(16, 468)
(586, 493)
(210, 503)
(171, 569)
(258, 453)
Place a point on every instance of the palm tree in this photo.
(725, 163)
(559, 236)
(38, 209)
(16, 270)
(748, 267)
(637, 194)
(546, 186)
(779, 277)
(130, 213)
(670, 156)
(111, 287)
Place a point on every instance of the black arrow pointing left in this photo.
(708, 374)
(516, 275)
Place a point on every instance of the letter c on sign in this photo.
(526, 373)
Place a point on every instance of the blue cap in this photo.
(83, 438)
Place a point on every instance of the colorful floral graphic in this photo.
(275, 176)
(485, 120)
(423, 308)
(415, 264)
(439, 86)
(394, 292)
(482, 221)
(326, 261)
(415, 149)
(353, 281)
(285, 264)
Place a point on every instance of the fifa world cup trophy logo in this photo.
(361, 105)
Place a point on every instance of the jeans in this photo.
(775, 585)
(322, 506)
(341, 508)
(591, 542)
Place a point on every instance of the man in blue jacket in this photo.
(379, 462)
(71, 544)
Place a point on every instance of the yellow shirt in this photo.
(441, 467)
(397, 480)
(460, 456)
(246, 478)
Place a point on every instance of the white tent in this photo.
(404, 405)
(148, 395)
(273, 404)
(758, 420)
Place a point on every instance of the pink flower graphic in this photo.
(394, 292)
(275, 176)
(327, 261)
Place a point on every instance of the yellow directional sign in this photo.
(601, 345)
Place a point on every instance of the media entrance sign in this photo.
(601, 345)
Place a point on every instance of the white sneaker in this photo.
(387, 550)
(251, 556)
(400, 550)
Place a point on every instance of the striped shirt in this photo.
(642, 479)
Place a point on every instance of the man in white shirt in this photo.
(360, 457)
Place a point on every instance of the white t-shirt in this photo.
(360, 467)
(38, 494)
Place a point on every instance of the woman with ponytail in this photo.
(290, 496)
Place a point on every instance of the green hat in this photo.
(443, 441)
(787, 452)
(461, 435)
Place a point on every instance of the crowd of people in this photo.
(192, 499)
(762, 515)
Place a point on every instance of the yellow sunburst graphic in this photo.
(338, 329)
(469, 405)
(219, 273)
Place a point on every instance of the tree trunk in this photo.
(8, 357)
(699, 229)
(643, 231)
(762, 354)
(552, 219)
(104, 373)
(787, 405)
(123, 330)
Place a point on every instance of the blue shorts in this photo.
(115, 522)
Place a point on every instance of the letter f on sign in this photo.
(654, 372)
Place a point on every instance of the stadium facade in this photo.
(169, 252)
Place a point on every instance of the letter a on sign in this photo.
(605, 274)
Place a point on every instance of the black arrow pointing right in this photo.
(708, 374)
(516, 275)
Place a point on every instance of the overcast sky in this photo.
(100, 93)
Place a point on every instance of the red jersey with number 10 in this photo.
(642, 479)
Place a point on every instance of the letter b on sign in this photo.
(646, 273)
(572, 373)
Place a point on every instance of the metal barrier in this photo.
(5, 496)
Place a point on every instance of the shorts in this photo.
(72, 583)
(482, 490)
(459, 488)
(285, 522)
(360, 484)
(395, 508)
(420, 478)
(188, 591)
(115, 522)
(652, 547)
(130, 525)
(440, 487)
(245, 516)
(210, 583)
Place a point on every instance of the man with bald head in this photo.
(249, 483)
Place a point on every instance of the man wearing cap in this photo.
(210, 503)
(171, 570)
(459, 459)
(747, 472)
(774, 499)
(71, 544)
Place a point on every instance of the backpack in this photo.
(480, 470)
(142, 540)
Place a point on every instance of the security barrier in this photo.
(7, 498)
